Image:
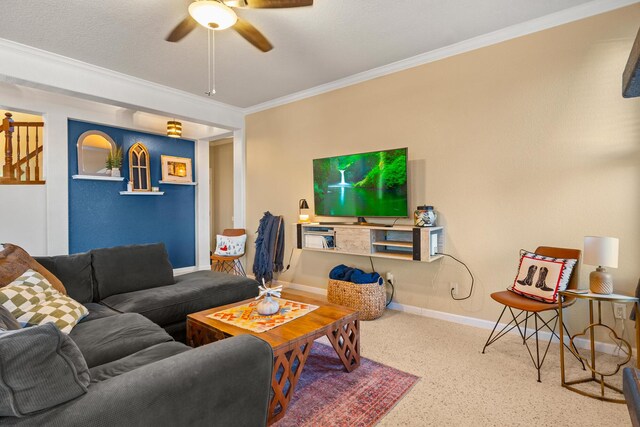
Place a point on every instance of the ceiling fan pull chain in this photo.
(212, 63)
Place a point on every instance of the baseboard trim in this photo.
(457, 318)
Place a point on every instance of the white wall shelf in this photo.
(178, 183)
(422, 244)
(98, 177)
(142, 193)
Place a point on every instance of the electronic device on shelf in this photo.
(372, 184)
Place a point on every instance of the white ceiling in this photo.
(312, 45)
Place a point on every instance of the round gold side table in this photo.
(597, 376)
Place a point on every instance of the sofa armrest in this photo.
(631, 388)
(220, 384)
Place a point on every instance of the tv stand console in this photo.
(423, 244)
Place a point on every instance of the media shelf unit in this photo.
(397, 242)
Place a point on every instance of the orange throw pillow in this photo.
(14, 261)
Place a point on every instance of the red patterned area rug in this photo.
(327, 395)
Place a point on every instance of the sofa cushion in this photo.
(74, 271)
(98, 311)
(110, 338)
(33, 301)
(136, 360)
(14, 261)
(8, 321)
(41, 368)
(631, 389)
(131, 268)
(191, 293)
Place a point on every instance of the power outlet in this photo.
(619, 311)
(389, 277)
(454, 289)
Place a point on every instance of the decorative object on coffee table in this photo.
(603, 252)
(268, 305)
(291, 342)
(246, 316)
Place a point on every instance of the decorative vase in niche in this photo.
(115, 172)
(268, 306)
(425, 216)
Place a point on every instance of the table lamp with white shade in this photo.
(303, 205)
(603, 252)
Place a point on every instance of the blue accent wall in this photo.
(100, 217)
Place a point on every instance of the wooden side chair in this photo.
(533, 309)
(229, 264)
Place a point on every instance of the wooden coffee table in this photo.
(291, 342)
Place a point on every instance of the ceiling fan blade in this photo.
(252, 35)
(182, 29)
(269, 4)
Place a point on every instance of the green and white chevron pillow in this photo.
(34, 301)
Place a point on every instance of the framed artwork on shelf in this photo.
(176, 169)
(139, 167)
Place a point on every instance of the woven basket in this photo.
(369, 299)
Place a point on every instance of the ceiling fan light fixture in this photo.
(212, 14)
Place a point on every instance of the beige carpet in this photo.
(460, 386)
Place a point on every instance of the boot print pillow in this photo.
(541, 278)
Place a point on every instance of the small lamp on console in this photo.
(603, 252)
(303, 205)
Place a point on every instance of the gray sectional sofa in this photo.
(631, 388)
(139, 279)
(141, 374)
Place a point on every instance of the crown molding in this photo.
(566, 16)
(33, 67)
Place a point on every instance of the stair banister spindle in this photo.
(37, 177)
(17, 169)
(27, 173)
(8, 146)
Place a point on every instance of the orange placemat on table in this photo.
(246, 316)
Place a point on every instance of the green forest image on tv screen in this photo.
(367, 184)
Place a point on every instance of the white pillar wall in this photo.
(203, 204)
(239, 179)
(56, 164)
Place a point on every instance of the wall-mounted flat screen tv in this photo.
(364, 185)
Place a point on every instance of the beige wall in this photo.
(524, 143)
(221, 164)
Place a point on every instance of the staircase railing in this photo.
(22, 151)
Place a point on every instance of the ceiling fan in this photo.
(219, 15)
